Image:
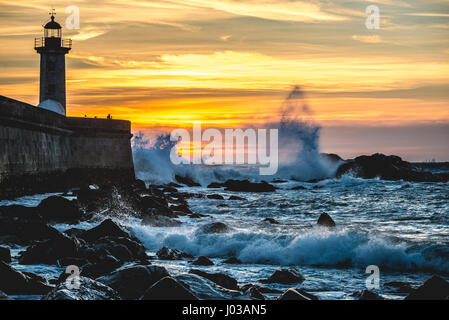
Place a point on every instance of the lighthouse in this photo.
(52, 49)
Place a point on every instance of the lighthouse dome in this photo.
(52, 105)
(52, 24)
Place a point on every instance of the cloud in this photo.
(368, 39)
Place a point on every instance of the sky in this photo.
(165, 63)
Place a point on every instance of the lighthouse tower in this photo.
(52, 49)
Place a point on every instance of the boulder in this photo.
(254, 293)
(221, 279)
(122, 248)
(205, 289)
(331, 157)
(203, 261)
(435, 288)
(5, 255)
(168, 289)
(214, 227)
(107, 228)
(293, 294)
(247, 186)
(325, 220)
(215, 196)
(271, 220)
(132, 282)
(14, 282)
(59, 209)
(260, 289)
(285, 276)
(88, 290)
(298, 188)
(214, 185)
(236, 198)
(187, 181)
(232, 260)
(367, 295)
(3, 296)
(166, 253)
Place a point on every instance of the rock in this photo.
(247, 186)
(59, 209)
(160, 221)
(70, 261)
(197, 216)
(401, 287)
(387, 168)
(13, 282)
(139, 185)
(74, 232)
(203, 261)
(215, 197)
(236, 198)
(187, 181)
(298, 188)
(285, 276)
(279, 181)
(254, 293)
(367, 295)
(435, 288)
(88, 290)
(50, 251)
(168, 289)
(105, 229)
(260, 289)
(5, 255)
(205, 289)
(271, 220)
(293, 294)
(325, 220)
(214, 227)
(181, 208)
(232, 260)
(3, 296)
(331, 157)
(100, 268)
(166, 253)
(214, 185)
(221, 279)
(132, 282)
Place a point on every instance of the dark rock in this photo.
(187, 181)
(203, 261)
(215, 196)
(214, 227)
(105, 229)
(205, 289)
(285, 276)
(59, 209)
(122, 248)
(168, 289)
(293, 294)
(271, 220)
(74, 232)
(100, 268)
(3, 296)
(174, 185)
(325, 220)
(132, 282)
(298, 188)
(260, 289)
(166, 253)
(50, 251)
(88, 290)
(215, 185)
(160, 221)
(236, 198)
(232, 260)
(331, 157)
(5, 255)
(221, 279)
(14, 282)
(279, 181)
(181, 208)
(367, 295)
(435, 288)
(139, 185)
(388, 168)
(247, 186)
(197, 215)
(71, 261)
(254, 293)
(401, 287)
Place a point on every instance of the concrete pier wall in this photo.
(42, 151)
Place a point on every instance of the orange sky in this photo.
(231, 63)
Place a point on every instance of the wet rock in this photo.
(101, 267)
(181, 208)
(401, 287)
(214, 185)
(387, 168)
(74, 232)
(165, 253)
(5, 255)
(160, 221)
(203, 261)
(232, 260)
(205, 289)
(298, 188)
(261, 289)
(271, 220)
(215, 197)
(124, 249)
(236, 198)
(71, 261)
(367, 295)
(435, 288)
(279, 181)
(293, 294)
(197, 215)
(88, 290)
(254, 293)
(325, 220)
(168, 289)
(14, 282)
(107, 228)
(132, 282)
(3, 296)
(285, 276)
(247, 186)
(59, 209)
(139, 185)
(187, 181)
(50, 251)
(332, 158)
(221, 279)
(214, 227)
(174, 185)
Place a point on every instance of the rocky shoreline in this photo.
(113, 263)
